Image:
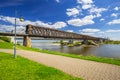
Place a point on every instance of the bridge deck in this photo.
(12, 34)
(43, 36)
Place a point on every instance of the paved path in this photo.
(88, 70)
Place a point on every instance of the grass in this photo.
(6, 45)
(112, 42)
(6, 39)
(91, 58)
(24, 69)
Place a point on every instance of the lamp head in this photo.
(21, 19)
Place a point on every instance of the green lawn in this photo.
(24, 69)
(92, 58)
(6, 45)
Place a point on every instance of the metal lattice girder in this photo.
(34, 31)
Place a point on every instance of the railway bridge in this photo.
(36, 31)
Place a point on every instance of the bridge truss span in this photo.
(34, 31)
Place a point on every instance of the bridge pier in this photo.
(85, 42)
(71, 42)
(100, 41)
(27, 41)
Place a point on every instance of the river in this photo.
(105, 50)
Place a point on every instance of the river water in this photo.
(105, 50)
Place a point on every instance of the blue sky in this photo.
(91, 17)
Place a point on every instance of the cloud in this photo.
(92, 32)
(116, 21)
(88, 30)
(97, 11)
(7, 28)
(85, 1)
(11, 20)
(112, 30)
(102, 19)
(114, 14)
(58, 1)
(101, 32)
(80, 22)
(116, 8)
(10, 28)
(86, 4)
(58, 25)
(94, 12)
(72, 12)
(70, 31)
(86, 33)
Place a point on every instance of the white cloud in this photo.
(72, 12)
(112, 30)
(8, 19)
(94, 12)
(114, 14)
(97, 11)
(88, 30)
(10, 28)
(85, 1)
(58, 25)
(116, 8)
(86, 33)
(101, 32)
(7, 28)
(86, 4)
(70, 31)
(102, 19)
(11, 20)
(116, 21)
(80, 22)
(58, 1)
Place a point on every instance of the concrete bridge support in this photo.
(100, 41)
(71, 42)
(27, 41)
(85, 42)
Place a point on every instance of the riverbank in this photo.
(92, 58)
(88, 70)
(112, 42)
(24, 69)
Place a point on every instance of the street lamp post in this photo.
(21, 20)
(15, 35)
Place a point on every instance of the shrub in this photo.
(77, 43)
(6, 39)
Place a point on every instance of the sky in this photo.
(99, 18)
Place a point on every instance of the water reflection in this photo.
(112, 51)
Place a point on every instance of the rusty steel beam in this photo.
(34, 31)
